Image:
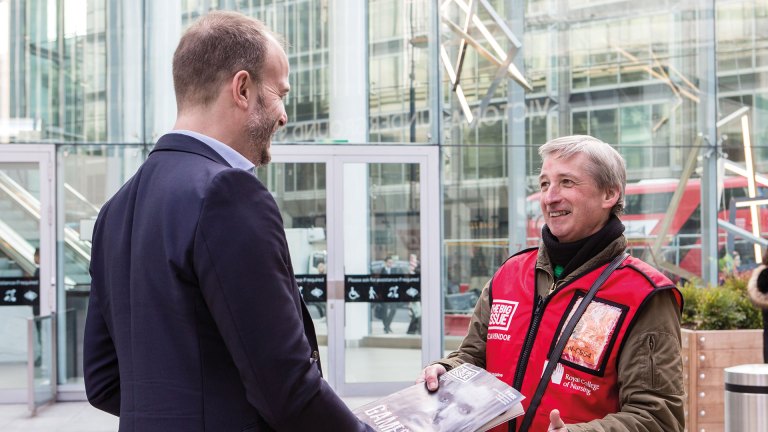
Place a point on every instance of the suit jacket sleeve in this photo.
(243, 266)
(100, 367)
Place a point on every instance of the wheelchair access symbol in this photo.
(353, 294)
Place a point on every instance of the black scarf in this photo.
(570, 256)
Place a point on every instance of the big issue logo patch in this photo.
(502, 312)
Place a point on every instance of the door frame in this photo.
(45, 156)
(335, 156)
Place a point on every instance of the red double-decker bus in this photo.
(646, 204)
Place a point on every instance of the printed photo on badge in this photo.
(594, 335)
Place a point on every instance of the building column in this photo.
(124, 71)
(125, 80)
(348, 58)
(516, 142)
(162, 34)
(707, 119)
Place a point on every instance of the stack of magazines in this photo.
(467, 399)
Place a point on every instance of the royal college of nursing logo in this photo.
(501, 314)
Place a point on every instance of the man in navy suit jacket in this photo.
(195, 321)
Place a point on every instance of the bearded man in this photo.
(195, 321)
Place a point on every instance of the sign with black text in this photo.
(382, 289)
(19, 291)
(313, 287)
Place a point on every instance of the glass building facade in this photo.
(679, 87)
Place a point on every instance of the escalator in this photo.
(19, 237)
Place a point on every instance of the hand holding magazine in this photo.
(467, 399)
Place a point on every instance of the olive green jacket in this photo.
(650, 384)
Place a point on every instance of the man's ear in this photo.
(240, 87)
(611, 198)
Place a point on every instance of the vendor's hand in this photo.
(556, 424)
(430, 376)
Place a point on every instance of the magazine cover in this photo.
(467, 399)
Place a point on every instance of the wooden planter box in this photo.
(705, 354)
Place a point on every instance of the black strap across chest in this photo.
(554, 357)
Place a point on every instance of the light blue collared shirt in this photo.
(228, 153)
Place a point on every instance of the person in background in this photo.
(36, 308)
(321, 267)
(387, 310)
(728, 265)
(36, 258)
(757, 288)
(195, 321)
(621, 369)
(414, 326)
(389, 266)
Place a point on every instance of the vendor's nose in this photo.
(551, 195)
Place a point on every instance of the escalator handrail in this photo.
(32, 205)
(17, 248)
(80, 197)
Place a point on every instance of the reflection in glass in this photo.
(383, 334)
(90, 176)
(631, 76)
(19, 294)
(631, 79)
(299, 189)
(398, 67)
(41, 364)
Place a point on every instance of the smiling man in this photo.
(621, 368)
(195, 322)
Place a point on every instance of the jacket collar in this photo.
(544, 278)
(187, 144)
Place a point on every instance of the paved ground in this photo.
(74, 417)
(60, 417)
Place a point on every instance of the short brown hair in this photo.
(212, 50)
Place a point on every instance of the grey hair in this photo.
(604, 164)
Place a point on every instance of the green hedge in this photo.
(725, 307)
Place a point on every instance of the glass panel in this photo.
(398, 67)
(299, 189)
(91, 175)
(635, 80)
(304, 25)
(19, 261)
(56, 85)
(42, 329)
(734, 38)
(536, 63)
(603, 125)
(382, 272)
(635, 136)
(580, 123)
(632, 75)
